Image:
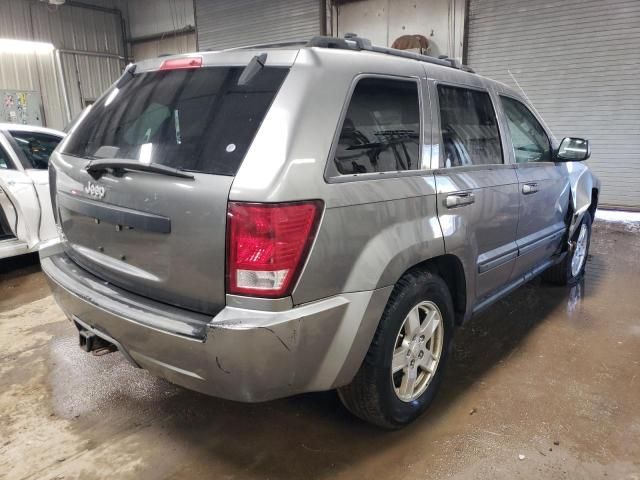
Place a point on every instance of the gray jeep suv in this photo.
(257, 223)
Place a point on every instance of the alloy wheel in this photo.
(417, 352)
(580, 253)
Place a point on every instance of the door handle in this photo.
(529, 188)
(459, 199)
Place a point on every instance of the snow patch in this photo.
(617, 216)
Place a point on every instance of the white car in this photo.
(26, 217)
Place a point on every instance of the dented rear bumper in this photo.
(240, 354)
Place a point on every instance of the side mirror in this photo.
(573, 150)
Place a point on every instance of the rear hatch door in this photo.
(142, 182)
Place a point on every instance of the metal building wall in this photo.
(152, 17)
(14, 19)
(75, 28)
(180, 43)
(579, 63)
(86, 77)
(90, 43)
(232, 23)
(161, 27)
(34, 72)
(382, 21)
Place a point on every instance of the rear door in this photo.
(158, 234)
(477, 192)
(543, 187)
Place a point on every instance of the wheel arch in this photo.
(450, 268)
(595, 192)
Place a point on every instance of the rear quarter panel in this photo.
(391, 225)
(373, 229)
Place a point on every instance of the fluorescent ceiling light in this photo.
(9, 45)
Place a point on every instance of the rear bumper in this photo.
(240, 354)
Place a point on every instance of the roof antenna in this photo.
(513, 77)
(540, 119)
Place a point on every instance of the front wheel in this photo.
(573, 265)
(404, 365)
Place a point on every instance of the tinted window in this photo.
(37, 147)
(469, 128)
(381, 131)
(530, 142)
(195, 119)
(5, 161)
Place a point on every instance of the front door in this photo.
(18, 199)
(33, 149)
(477, 192)
(543, 186)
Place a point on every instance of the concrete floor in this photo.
(548, 373)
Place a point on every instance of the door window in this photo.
(530, 141)
(36, 146)
(469, 127)
(381, 130)
(5, 161)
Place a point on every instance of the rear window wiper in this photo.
(97, 168)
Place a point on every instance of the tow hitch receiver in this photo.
(90, 342)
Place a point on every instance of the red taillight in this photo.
(181, 63)
(267, 245)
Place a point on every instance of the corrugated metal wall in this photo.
(161, 27)
(34, 72)
(151, 17)
(74, 28)
(232, 23)
(91, 45)
(181, 43)
(579, 63)
(87, 77)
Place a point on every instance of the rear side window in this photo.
(470, 132)
(197, 120)
(530, 141)
(37, 147)
(381, 130)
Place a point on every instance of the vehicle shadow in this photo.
(312, 434)
(21, 281)
(17, 266)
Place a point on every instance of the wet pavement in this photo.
(546, 384)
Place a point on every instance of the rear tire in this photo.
(572, 267)
(392, 400)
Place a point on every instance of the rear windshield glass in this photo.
(197, 120)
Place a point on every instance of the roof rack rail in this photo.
(351, 41)
(268, 45)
